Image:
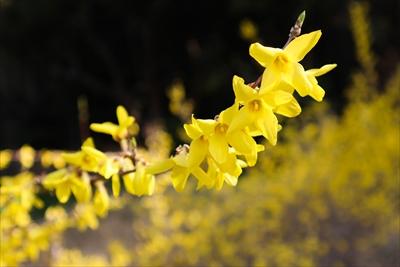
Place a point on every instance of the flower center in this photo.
(221, 128)
(255, 105)
(281, 62)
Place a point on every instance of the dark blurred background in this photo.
(130, 52)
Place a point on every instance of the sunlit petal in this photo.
(300, 46)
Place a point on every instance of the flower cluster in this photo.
(222, 146)
(218, 150)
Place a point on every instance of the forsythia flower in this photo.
(215, 138)
(92, 160)
(282, 64)
(66, 183)
(27, 156)
(5, 158)
(126, 127)
(258, 109)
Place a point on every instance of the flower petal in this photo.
(197, 152)
(206, 126)
(122, 115)
(321, 71)
(290, 109)
(116, 185)
(218, 147)
(243, 92)
(227, 115)
(299, 47)
(242, 119)
(160, 166)
(242, 142)
(179, 177)
(268, 125)
(192, 131)
(297, 78)
(63, 192)
(263, 54)
(105, 127)
(317, 92)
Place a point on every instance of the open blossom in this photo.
(92, 160)
(126, 126)
(216, 137)
(282, 64)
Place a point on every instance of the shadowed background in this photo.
(130, 52)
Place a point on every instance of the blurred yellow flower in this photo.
(5, 158)
(127, 127)
(282, 64)
(27, 156)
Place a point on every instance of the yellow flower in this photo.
(92, 160)
(182, 166)
(66, 183)
(213, 134)
(282, 64)
(317, 92)
(257, 110)
(27, 156)
(5, 158)
(127, 127)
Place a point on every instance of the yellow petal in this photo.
(218, 147)
(291, 109)
(317, 92)
(297, 78)
(300, 46)
(122, 115)
(116, 185)
(197, 152)
(63, 192)
(242, 142)
(128, 182)
(231, 166)
(101, 200)
(243, 92)
(94, 153)
(27, 156)
(227, 115)
(105, 127)
(201, 176)
(5, 158)
(192, 131)
(206, 126)
(264, 55)
(230, 179)
(179, 177)
(88, 142)
(55, 178)
(74, 158)
(160, 166)
(81, 187)
(242, 119)
(109, 168)
(321, 71)
(268, 126)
